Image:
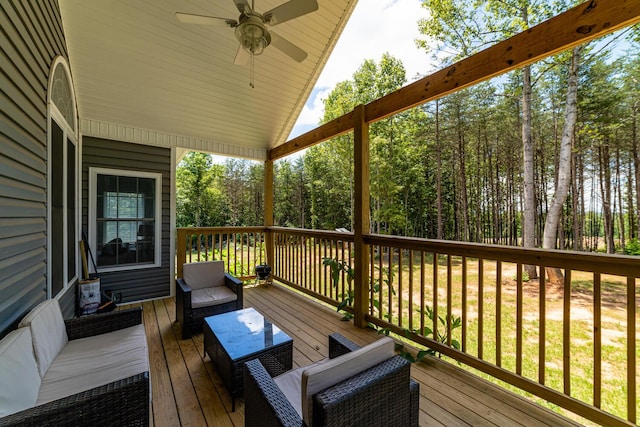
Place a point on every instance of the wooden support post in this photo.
(268, 212)
(181, 251)
(362, 221)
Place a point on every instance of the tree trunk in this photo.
(630, 202)
(605, 192)
(528, 232)
(619, 198)
(636, 166)
(564, 164)
(464, 205)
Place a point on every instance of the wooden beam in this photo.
(326, 131)
(362, 222)
(581, 24)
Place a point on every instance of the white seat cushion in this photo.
(322, 376)
(94, 361)
(19, 377)
(212, 296)
(48, 332)
(206, 274)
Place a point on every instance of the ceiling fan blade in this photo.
(243, 6)
(289, 10)
(189, 18)
(288, 48)
(242, 56)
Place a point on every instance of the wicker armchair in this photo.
(124, 402)
(204, 290)
(383, 395)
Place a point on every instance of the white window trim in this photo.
(70, 133)
(93, 175)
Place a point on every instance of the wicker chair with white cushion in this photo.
(204, 290)
(368, 386)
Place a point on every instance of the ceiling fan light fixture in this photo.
(253, 36)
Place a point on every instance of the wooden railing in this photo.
(554, 341)
(574, 343)
(241, 248)
(299, 262)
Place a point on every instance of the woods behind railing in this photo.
(574, 344)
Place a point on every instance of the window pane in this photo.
(71, 209)
(57, 208)
(127, 184)
(125, 220)
(147, 187)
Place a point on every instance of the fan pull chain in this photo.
(251, 74)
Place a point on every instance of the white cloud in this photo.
(375, 27)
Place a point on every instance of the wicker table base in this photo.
(232, 339)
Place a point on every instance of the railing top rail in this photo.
(206, 230)
(580, 261)
(340, 235)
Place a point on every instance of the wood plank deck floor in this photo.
(187, 390)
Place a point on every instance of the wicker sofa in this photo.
(88, 371)
(204, 290)
(368, 386)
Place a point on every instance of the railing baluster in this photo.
(305, 263)
(597, 340)
(422, 291)
(399, 294)
(566, 333)
(206, 247)
(380, 280)
(464, 304)
(434, 321)
(343, 259)
(542, 335)
(449, 298)
(519, 319)
(631, 350)
(390, 285)
(410, 304)
(371, 279)
(325, 269)
(198, 246)
(498, 313)
(480, 308)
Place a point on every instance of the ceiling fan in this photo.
(251, 27)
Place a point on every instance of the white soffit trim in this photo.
(106, 130)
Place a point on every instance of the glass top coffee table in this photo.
(232, 339)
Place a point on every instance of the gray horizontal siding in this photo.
(30, 39)
(135, 284)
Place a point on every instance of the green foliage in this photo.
(441, 336)
(209, 194)
(442, 332)
(337, 268)
(632, 247)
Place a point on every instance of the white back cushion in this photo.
(206, 274)
(322, 376)
(48, 332)
(19, 377)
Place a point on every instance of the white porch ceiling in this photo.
(141, 75)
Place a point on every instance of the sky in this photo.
(375, 27)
